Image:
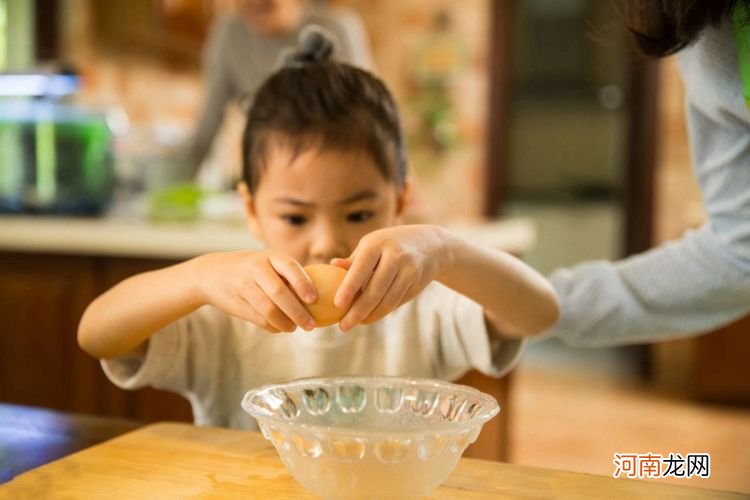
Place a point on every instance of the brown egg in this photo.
(326, 278)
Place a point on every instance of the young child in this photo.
(324, 182)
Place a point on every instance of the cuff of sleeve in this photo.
(492, 356)
(134, 372)
(559, 280)
(505, 355)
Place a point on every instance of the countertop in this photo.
(125, 233)
(182, 461)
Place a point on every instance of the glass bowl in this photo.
(370, 437)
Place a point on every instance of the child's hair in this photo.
(315, 102)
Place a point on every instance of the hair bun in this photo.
(314, 44)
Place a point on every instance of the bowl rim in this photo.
(493, 407)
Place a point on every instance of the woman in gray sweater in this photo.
(701, 281)
(242, 50)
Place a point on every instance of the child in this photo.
(324, 181)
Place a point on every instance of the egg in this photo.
(326, 278)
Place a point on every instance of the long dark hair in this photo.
(663, 27)
(313, 101)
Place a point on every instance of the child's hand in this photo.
(390, 267)
(258, 287)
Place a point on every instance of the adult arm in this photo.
(702, 281)
(218, 92)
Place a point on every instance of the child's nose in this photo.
(327, 244)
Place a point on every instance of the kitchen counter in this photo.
(124, 235)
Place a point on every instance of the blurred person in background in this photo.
(242, 49)
(701, 281)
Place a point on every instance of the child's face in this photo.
(318, 205)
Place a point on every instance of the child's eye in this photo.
(360, 216)
(295, 220)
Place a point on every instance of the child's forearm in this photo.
(517, 300)
(125, 316)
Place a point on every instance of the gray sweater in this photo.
(701, 281)
(237, 60)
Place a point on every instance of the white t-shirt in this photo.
(212, 358)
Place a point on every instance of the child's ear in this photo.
(403, 198)
(250, 215)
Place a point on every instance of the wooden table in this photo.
(170, 460)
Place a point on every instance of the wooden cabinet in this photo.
(712, 367)
(42, 298)
(721, 370)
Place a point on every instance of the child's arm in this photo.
(395, 264)
(248, 285)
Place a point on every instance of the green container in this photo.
(54, 158)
